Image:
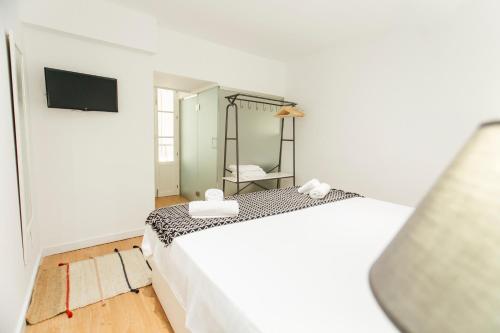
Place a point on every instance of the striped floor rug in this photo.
(70, 286)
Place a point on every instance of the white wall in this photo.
(95, 19)
(16, 278)
(174, 53)
(93, 171)
(386, 115)
(196, 58)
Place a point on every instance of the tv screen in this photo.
(77, 91)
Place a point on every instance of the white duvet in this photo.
(304, 271)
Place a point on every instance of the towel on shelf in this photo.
(320, 191)
(214, 194)
(308, 186)
(250, 174)
(245, 167)
(214, 208)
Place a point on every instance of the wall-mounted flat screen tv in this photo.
(77, 91)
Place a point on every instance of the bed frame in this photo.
(174, 311)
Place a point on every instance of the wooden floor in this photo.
(169, 201)
(129, 312)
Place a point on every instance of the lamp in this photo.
(441, 273)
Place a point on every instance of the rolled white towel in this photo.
(307, 187)
(320, 191)
(214, 194)
(213, 208)
(245, 167)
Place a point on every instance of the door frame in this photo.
(176, 161)
(23, 153)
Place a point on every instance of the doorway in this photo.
(169, 91)
(166, 142)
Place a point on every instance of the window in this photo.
(166, 121)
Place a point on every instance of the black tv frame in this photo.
(50, 105)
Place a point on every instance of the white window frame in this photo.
(175, 136)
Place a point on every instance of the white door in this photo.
(167, 142)
(21, 130)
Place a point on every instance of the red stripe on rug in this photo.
(68, 311)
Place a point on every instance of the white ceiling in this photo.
(285, 29)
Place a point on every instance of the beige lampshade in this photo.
(441, 273)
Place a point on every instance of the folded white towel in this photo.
(214, 208)
(320, 191)
(245, 167)
(250, 174)
(214, 194)
(307, 187)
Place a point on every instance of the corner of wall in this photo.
(21, 325)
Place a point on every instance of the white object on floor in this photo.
(214, 208)
(245, 167)
(214, 194)
(320, 191)
(308, 186)
(304, 271)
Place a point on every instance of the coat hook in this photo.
(257, 106)
(249, 106)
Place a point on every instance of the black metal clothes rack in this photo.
(270, 174)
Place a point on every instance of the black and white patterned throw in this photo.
(174, 221)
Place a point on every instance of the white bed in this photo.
(304, 271)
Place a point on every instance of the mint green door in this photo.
(198, 144)
(189, 147)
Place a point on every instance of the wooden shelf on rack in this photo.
(268, 176)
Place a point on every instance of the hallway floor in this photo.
(169, 201)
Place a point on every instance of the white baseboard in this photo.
(92, 242)
(21, 324)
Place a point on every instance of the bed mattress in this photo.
(303, 271)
